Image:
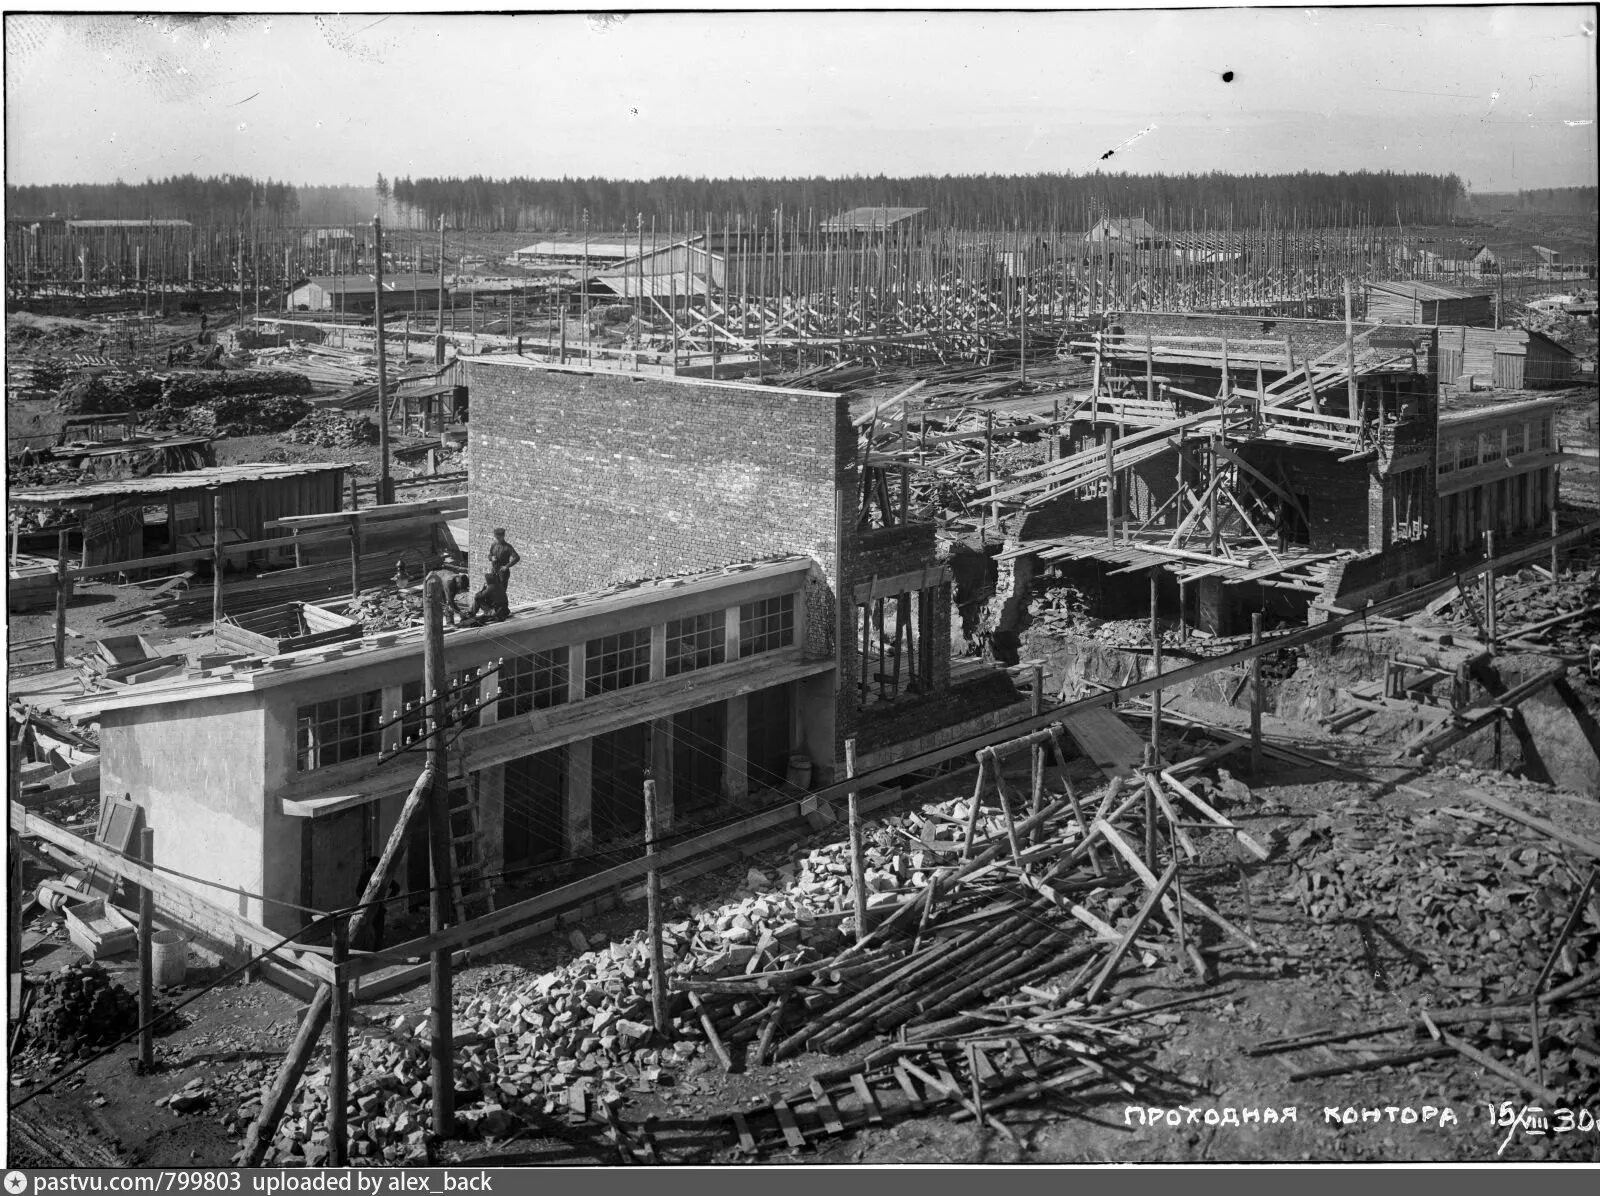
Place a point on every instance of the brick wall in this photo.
(600, 477)
(1336, 493)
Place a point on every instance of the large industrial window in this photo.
(697, 642)
(532, 682)
(1467, 455)
(337, 730)
(1516, 439)
(617, 661)
(766, 625)
(1491, 445)
(894, 643)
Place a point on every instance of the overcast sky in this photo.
(1503, 96)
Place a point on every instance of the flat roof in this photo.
(511, 360)
(1459, 409)
(166, 483)
(256, 673)
(1425, 290)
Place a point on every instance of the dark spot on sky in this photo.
(1227, 76)
(1106, 155)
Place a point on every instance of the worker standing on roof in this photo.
(502, 557)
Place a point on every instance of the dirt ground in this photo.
(1312, 973)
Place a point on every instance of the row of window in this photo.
(1464, 452)
(348, 728)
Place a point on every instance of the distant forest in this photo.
(962, 201)
(1040, 201)
(1554, 201)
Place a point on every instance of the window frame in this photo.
(533, 681)
(706, 636)
(761, 620)
(363, 711)
(628, 654)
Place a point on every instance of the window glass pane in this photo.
(617, 661)
(696, 643)
(766, 625)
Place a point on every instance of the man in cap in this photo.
(502, 556)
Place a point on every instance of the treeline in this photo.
(217, 199)
(1033, 201)
(1574, 201)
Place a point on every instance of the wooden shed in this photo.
(1504, 358)
(132, 518)
(1427, 303)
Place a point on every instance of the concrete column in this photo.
(491, 797)
(735, 778)
(658, 652)
(580, 796)
(576, 656)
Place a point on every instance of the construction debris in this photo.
(330, 429)
(78, 1010)
(1021, 902)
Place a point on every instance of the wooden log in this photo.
(712, 1036)
(1189, 899)
(1126, 942)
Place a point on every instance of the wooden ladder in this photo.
(471, 890)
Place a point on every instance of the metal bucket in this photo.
(169, 958)
(800, 771)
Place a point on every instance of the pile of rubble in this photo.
(778, 968)
(1562, 617)
(329, 429)
(1480, 903)
(235, 415)
(386, 608)
(78, 1010)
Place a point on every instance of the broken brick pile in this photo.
(583, 1031)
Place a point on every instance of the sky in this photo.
(1505, 97)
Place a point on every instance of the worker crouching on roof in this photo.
(489, 603)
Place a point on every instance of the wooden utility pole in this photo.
(438, 357)
(652, 893)
(147, 916)
(858, 862)
(1488, 589)
(1111, 487)
(1255, 700)
(442, 1060)
(339, 1051)
(316, 1016)
(1155, 663)
(1350, 351)
(61, 599)
(216, 561)
(385, 494)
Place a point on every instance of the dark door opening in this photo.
(620, 759)
(698, 739)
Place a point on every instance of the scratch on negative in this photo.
(1128, 142)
